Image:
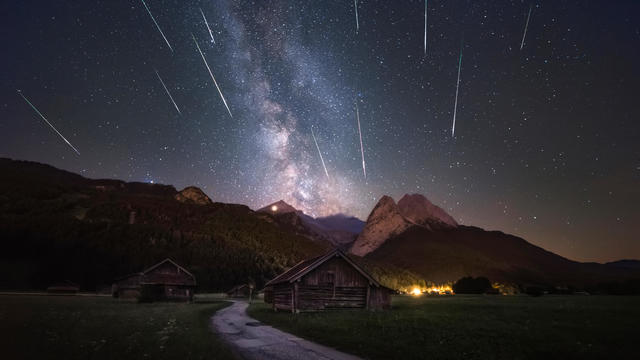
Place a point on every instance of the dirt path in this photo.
(253, 340)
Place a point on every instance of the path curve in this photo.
(254, 340)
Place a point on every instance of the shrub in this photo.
(534, 291)
(471, 285)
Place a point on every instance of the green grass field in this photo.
(476, 327)
(61, 327)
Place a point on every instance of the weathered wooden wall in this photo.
(312, 297)
(283, 296)
(335, 271)
(168, 273)
(335, 284)
(379, 298)
(332, 285)
(165, 282)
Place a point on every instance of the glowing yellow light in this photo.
(416, 291)
(440, 290)
(274, 208)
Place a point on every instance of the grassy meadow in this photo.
(475, 327)
(74, 327)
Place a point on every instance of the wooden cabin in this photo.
(240, 291)
(165, 280)
(327, 282)
(64, 287)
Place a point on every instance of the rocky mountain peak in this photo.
(418, 209)
(383, 222)
(193, 195)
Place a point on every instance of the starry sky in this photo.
(547, 137)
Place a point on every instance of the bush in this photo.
(471, 285)
(534, 291)
(627, 287)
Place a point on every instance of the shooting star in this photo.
(158, 26)
(364, 167)
(208, 28)
(47, 121)
(425, 27)
(355, 6)
(320, 153)
(526, 26)
(455, 107)
(210, 73)
(167, 90)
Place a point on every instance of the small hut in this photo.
(165, 280)
(64, 287)
(330, 281)
(240, 291)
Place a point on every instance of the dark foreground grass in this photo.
(52, 327)
(476, 327)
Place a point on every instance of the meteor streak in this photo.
(210, 73)
(455, 107)
(208, 28)
(425, 27)
(355, 6)
(364, 167)
(168, 93)
(320, 153)
(47, 121)
(158, 26)
(526, 26)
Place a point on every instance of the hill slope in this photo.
(339, 230)
(56, 225)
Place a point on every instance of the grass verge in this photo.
(474, 327)
(59, 327)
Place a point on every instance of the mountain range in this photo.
(416, 235)
(340, 230)
(56, 225)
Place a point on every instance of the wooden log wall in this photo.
(379, 298)
(338, 272)
(312, 297)
(282, 296)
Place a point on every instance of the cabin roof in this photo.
(144, 272)
(128, 276)
(304, 267)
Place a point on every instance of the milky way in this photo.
(546, 137)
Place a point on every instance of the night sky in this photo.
(546, 143)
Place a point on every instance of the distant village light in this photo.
(416, 291)
(274, 208)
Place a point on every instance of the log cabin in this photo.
(65, 287)
(240, 291)
(165, 280)
(328, 282)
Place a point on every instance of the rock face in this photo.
(384, 222)
(193, 195)
(418, 209)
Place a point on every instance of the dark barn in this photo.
(330, 281)
(65, 287)
(164, 281)
(240, 291)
